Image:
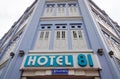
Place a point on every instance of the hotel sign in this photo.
(82, 60)
(49, 61)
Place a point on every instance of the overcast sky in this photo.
(11, 10)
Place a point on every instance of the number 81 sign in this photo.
(83, 60)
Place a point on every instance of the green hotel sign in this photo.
(58, 60)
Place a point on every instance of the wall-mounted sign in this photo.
(49, 61)
(82, 60)
(59, 71)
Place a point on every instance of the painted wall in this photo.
(92, 35)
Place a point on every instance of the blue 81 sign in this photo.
(83, 60)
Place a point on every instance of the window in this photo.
(41, 35)
(76, 26)
(77, 33)
(72, 26)
(45, 26)
(12, 45)
(43, 40)
(79, 26)
(73, 9)
(42, 27)
(58, 35)
(46, 35)
(74, 34)
(60, 40)
(49, 10)
(55, 9)
(48, 27)
(63, 34)
(58, 27)
(112, 43)
(78, 40)
(61, 10)
(80, 34)
(63, 26)
(106, 34)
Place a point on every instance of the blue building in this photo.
(61, 39)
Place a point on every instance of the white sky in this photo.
(11, 10)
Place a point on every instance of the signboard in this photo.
(49, 61)
(59, 71)
(82, 60)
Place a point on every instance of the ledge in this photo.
(54, 18)
(59, 51)
(50, 68)
(2, 63)
(59, 0)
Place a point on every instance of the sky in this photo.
(11, 10)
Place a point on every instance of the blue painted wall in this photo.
(92, 34)
(95, 38)
(25, 43)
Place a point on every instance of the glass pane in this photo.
(58, 35)
(41, 35)
(74, 34)
(80, 34)
(63, 34)
(47, 35)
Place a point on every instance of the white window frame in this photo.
(61, 10)
(73, 10)
(49, 11)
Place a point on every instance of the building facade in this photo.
(61, 39)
